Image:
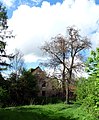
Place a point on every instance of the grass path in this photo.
(45, 112)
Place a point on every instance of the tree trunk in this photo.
(64, 82)
(64, 89)
(67, 92)
(63, 74)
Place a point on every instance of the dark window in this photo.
(44, 84)
(43, 93)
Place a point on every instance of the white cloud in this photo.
(34, 25)
(11, 3)
(32, 58)
(37, 1)
(8, 3)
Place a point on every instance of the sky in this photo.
(35, 21)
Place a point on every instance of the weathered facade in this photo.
(50, 86)
(47, 86)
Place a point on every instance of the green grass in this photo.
(45, 112)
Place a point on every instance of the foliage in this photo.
(29, 82)
(2, 82)
(88, 94)
(46, 100)
(3, 97)
(81, 90)
(4, 34)
(88, 89)
(24, 89)
(49, 112)
(92, 64)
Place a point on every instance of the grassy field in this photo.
(45, 112)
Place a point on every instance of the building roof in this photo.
(37, 68)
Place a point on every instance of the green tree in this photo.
(24, 90)
(29, 85)
(88, 89)
(92, 64)
(4, 96)
(4, 34)
(81, 90)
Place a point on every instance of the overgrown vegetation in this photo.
(88, 89)
(21, 87)
(49, 112)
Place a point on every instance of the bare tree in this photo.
(17, 63)
(66, 53)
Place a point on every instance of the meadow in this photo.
(45, 112)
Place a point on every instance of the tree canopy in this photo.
(4, 34)
(92, 64)
(66, 53)
(88, 89)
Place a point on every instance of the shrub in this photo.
(3, 97)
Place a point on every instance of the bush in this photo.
(88, 94)
(46, 100)
(3, 97)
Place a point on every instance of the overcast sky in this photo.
(36, 21)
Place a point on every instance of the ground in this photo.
(45, 112)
